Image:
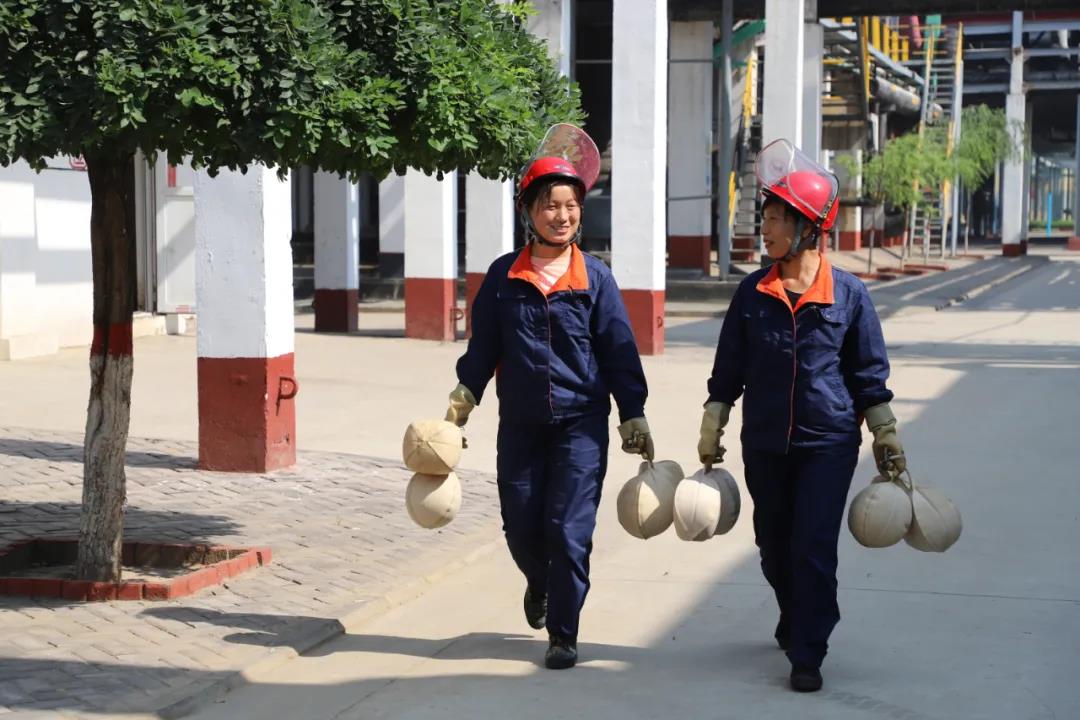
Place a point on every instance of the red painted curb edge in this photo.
(243, 560)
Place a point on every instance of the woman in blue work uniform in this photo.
(549, 322)
(802, 343)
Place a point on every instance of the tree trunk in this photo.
(112, 244)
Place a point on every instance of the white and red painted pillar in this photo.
(430, 256)
(639, 164)
(1013, 220)
(1074, 240)
(489, 231)
(244, 292)
(784, 84)
(849, 220)
(337, 253)
(690, 146)
(392, 227)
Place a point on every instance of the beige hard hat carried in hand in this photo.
(432, 446)
(935, 522)
(730, 500)
(697, 507)
(646, 502)
(433, 500)
(880, 515)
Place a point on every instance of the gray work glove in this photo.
(710, 451)
(888, 452)
(636, 438)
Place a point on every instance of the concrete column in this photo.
(785, 53)
(1074, 241)
(639, 164)
(813, 54)
(689, 140)
(430, 256)
(244, 292)
(337, 253)
(489, 231)
(553, 23)
(20, 333)
(392, 227)
(849, 220)
(1012, 198)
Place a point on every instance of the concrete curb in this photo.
(190, 699)
(980, 289)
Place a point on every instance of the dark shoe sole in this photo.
(806, 681)
(560, 661)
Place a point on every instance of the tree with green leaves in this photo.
(348, 86)
(912, 164)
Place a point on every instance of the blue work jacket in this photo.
(808, 372)
(557, 355)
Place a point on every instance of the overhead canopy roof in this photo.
(744, 9)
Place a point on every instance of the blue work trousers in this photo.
(799, 502)
(550, 477)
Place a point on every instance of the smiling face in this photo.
(556, 213)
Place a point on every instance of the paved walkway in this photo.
(344, 549)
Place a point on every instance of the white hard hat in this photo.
(730, 500)
(431, 446)
(646, 502)
(935, 523)
(697, 507)
(880, 515)
(433, 500)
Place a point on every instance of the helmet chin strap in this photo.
(800, 243)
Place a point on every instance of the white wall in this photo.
(46, 282)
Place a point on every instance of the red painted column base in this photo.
(473, 281)
(247, 414)
(336, 310)
(646, 311)
(1074, 243)
(430, 312)
(1015, 249)
(850, 240)
(689, 251)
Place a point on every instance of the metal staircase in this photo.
(939, 62)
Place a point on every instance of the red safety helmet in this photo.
(808, 188)
(567, 152)
(549, 167)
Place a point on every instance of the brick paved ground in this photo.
(343, 547)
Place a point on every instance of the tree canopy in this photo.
(345, 85)
(910, 164)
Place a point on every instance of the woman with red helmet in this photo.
(550, 319)
(802, 345)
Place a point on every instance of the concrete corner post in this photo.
(1012, 177)
(639, 164)
(337, 253)
(489, 231)
(244, 292)
(689, 146)
(430, 256)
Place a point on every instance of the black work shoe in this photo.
(535, 609)
(561, 653)
(805, 679)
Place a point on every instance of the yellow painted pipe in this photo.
(875, 31)
(905, 49)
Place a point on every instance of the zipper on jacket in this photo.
(794, 374)
(551, 351)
